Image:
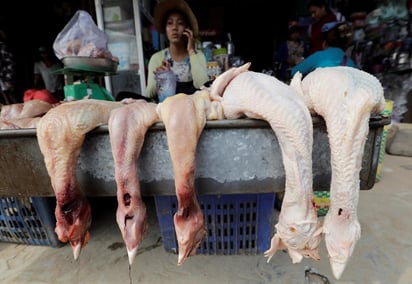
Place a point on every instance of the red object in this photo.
(36, 94)
(316, 35)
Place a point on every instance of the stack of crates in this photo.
(28, 220)
(239, 224)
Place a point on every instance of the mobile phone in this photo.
(170, 61)
(185, 39)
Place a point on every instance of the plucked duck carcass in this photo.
(345, 97)
(184, 117)
(260, 96)
(23, 115)
(60, 134)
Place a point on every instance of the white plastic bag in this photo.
(81, 37)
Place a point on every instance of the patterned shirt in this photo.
(180, 68)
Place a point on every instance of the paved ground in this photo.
(383, 255)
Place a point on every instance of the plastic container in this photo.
(28, 220)
(235, 223)
(213, 69)
(386, 112)
(165, 84)
(321, 201)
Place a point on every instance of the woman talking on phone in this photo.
(177, 21)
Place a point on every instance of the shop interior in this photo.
(255, 28)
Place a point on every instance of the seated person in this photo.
(44, 76)
(337, 36)
(290, 52)
(177, 21)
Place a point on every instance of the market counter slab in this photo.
(233, 157)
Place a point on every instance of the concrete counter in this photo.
(233, 157)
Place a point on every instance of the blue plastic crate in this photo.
(28, 220)
(238, 224)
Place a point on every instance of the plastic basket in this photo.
(386, 112)
(235, 224)
(28, 220)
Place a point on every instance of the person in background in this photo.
(44, 78)
(7, 71)
(290, 52)
(336, 38)
(321, 14)
(176, 19)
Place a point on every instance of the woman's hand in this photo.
(190, 40)
(164, 67)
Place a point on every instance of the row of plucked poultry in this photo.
(345, 97)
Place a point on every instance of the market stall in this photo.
(228, 160)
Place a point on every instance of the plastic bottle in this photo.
(230, 46)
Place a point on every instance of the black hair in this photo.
(294, 29)
(340, 36)
(318, 3)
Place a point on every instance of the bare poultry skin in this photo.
(11, 111)
(184, 117)
(260, 96)
(29, 122)
(345, 97)
(60, 134)
(127, 129)
(35, 108)
(23, 115)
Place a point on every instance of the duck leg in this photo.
(260, 96)
(345, 97)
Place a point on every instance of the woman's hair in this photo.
(184, 16)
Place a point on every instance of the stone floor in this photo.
(382, 255)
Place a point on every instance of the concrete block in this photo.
(399, 139)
